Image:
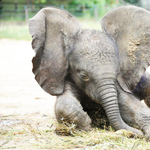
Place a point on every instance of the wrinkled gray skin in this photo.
(142, 89)
(87, 68)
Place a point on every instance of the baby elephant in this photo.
(89, 69)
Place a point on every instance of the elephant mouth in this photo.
(95, 98)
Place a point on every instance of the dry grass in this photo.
(41, 134)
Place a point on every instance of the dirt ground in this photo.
(22, 101)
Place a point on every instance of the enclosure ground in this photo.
(27, 118)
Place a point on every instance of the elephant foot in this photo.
(68, 109)
(146, 131)
(129, 134)
(136, 131)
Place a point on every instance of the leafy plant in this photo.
(91, 3)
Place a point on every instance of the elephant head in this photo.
(95, 60)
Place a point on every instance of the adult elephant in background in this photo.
(87, 68)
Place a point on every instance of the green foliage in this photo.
(91, 3)
(59, 2)
(88, 9)
(132, 1)
(40, 1)
(95, 8)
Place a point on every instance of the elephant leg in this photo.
(68, 109)
(147, 101)
(133, 112)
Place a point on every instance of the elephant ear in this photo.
(53, 31)
(130, 27)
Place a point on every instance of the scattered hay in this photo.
(42, 134)
(127, 134)
(38, 132)
(99, 118)
(65, 129)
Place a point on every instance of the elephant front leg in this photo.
(69, 109)
(133, 111)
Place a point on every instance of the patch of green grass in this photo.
(17, 31)
(20, 30)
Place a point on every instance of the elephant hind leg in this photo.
(68, 109)
(147, 101)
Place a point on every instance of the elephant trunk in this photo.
(108, 98)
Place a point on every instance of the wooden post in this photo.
(95, 13)
(26, 13)
(62, 6)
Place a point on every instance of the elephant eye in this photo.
(83, 75)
